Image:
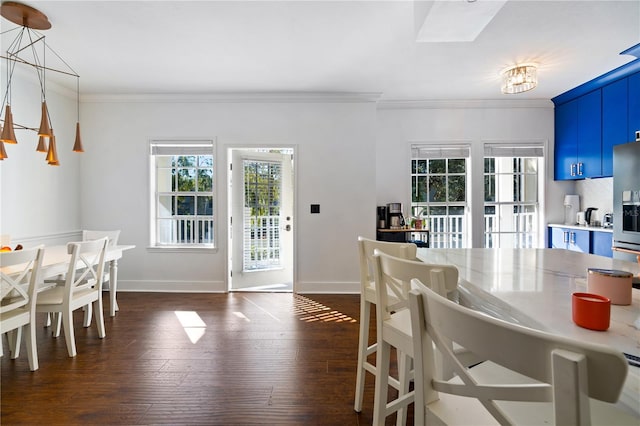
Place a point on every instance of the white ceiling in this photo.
(195, 47)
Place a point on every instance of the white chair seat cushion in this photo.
(466, 411)
(55, 295)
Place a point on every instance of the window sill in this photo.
(182, 249)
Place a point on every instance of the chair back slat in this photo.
(366, 248)
(19, 278)
(527, 352)
(113, 236)
(87, 257)
(394, 275)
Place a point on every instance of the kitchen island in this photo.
(533, 287)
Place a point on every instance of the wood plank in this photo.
(261, 358)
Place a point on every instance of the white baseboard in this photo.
(159, 286)
(328, 287)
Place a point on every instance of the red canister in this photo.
(591, 311)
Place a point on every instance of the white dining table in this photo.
(56, 261)
(533, 287)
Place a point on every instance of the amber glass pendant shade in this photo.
(52, 154)
(8, 135)
(3, 152)
(45, 127)
(77, 146)
(42, 145)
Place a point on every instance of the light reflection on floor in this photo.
(311, 311)
(192, 324)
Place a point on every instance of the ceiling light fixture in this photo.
(25, 50)
(519, 78)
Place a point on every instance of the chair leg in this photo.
(69, 336)
(382, 383)
(47, 320)
(88, 313)
(32, 348)
(15, 340)
(100, 318)
(57, 318)
(363, 342)
(405, 365)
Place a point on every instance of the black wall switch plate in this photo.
(315, 208)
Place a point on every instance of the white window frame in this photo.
(524, 231)
(442, 232)
(182, 147)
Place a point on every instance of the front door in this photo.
(261, 221)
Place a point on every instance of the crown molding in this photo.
(231, 97)
(465, 104)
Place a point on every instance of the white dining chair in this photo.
(107, 282)
(531, 377)
(393, 275)
(82, 286)
(366, 248)
(19, 281)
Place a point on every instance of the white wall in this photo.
(402, 123)
(351, 155)
(38, 202)
(335, 167)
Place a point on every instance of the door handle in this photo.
(579, 169)
(572, 169)
(565, 238)
(573, 238)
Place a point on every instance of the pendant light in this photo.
(24, 50)
(52, 154)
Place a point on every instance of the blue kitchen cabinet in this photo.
(589, 157)
(569, 239)
(578, 137)
(615, 101)
(634, 106)
(601, 243)
(566, 140)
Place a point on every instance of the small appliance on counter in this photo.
(382, 217)
(580, 220)
(395, 219)
(607, 220)
(590, 218)
(571, 206)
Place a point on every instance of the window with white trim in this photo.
(439, 192)
(182, 193)
(511, 194)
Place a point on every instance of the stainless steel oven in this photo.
(626, 201)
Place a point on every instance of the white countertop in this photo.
(581, 227)
(533, 287)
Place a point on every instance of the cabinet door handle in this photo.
(572, 169)
(565, 236)
(579, 169)
(573, 238)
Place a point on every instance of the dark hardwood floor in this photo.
(255, 358)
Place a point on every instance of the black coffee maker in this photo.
(395, 219)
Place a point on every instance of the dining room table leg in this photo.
(113, 284)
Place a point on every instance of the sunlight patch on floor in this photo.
(312, 311)
(192, 324)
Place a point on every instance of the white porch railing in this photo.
(261, 243)
(451, 231)
(185, 230)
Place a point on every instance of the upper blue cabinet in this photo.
(615, 121)
(634, 106)
(578, 130)
(594, 117)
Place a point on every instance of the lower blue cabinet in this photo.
(581, 240)
(601, 243)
